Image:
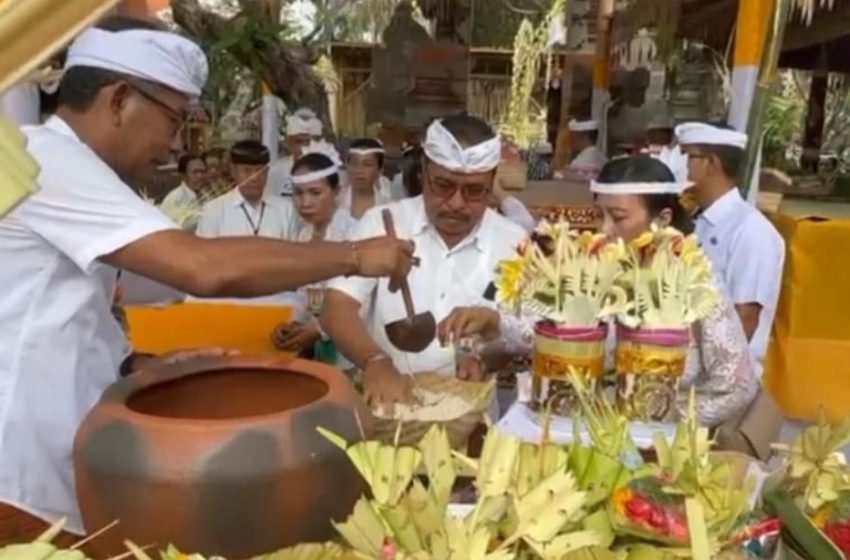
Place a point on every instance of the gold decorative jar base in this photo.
(650, 363)
(557, 351)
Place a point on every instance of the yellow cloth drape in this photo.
(247, 328)
(808, 362)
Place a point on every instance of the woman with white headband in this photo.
(633, 194)
(315, 187)
(367, 187)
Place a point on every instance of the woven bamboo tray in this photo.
(478, 395)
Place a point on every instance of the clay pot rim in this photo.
(120, 392)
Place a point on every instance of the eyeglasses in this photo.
(446, 190)
(177, 117)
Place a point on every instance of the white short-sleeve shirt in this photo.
(279, 181)
(748, 254)
(230, 215)
(61, 345)
(446, 278)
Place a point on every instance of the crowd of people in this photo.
(463, 223)
(313, 222)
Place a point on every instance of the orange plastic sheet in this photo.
(808, 362)
(247, 328)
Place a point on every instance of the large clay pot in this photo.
(219, 456)
(558, 350)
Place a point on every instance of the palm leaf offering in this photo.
(816, 469)
(577, 279)
(667, 280)
(17, 180)
(563, 276)
(686, 499)
(545, 501)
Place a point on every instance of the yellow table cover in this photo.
(808, 361)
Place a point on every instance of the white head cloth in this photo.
(638, 188)
(701, 133)
(583, 126)
(326, 149)
(303, 121)
(443, 149)
(371, 150)
(158, 56)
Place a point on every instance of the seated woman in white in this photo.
(315, 187)
(365, 187)
(718, 362)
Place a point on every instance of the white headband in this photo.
(583, 126)
(326, 149)
(314, 175)
(443, 149)
(366, 151)
(638, 188)
(701, 133)
(159, 56)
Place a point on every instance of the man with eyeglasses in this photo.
(122, 102)
(746, 250)
(459, 241)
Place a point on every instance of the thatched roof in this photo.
(712, 21)
(817, 33)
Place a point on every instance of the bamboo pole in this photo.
(602, 62)
(768, 71)
(562, 146)
(31, 30)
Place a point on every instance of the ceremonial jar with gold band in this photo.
(649, 364)
(557, 351)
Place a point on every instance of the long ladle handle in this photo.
(405, 287)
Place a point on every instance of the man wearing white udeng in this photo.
(459, 240)
(122, 104)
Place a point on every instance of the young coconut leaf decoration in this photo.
(687, 500)
(667, 279)
(816, 469)
(544, 517)
(563, 276)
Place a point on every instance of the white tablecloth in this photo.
(522, 422)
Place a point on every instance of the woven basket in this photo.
(513, 175)
(478, 395)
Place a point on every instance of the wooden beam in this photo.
(827, 26)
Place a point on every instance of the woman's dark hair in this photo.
(644, 169)
(411, 171)
(317, 162)
(80, 85)
(185, 160)
(369, 144)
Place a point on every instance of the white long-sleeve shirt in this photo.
(513, 209)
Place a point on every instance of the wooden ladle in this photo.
(415, 332)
